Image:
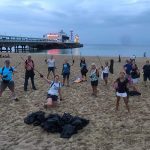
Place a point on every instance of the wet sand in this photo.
(107, 129)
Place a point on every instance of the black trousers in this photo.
(29, 74)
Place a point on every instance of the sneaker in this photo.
(34, 88)
(16, 99)
(45, 106)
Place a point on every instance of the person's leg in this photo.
(68, 79)
(53, 72)
(82, 76)
(105, 79)
(3, 86)
(32, 81)
(126, 103)
(95, 89)
(64, 79)
(26, 82)
(145, 79)
(85, 77)
(49, 103)
(48, 73)
(117, 103)
(11, 86)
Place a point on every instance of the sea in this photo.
(103, 50)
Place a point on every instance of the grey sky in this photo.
(96, 21)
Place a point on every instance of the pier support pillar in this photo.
(10, 49)
(7, 49)
(17, 49)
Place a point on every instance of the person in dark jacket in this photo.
(146, 72)
(135, 75)
(84, 69)
(29, 73)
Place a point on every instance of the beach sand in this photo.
(107, 129)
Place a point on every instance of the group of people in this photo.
(129, 77)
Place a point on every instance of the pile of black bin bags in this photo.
(66, 125)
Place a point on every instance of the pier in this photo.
(23, 44)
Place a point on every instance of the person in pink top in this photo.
(29, 73)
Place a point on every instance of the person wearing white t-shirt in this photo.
(51, 66)
(105, 72)
(53, 92)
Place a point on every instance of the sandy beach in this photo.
(107, 129)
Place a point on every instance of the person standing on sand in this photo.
(135, 75)
(53, 92)
(121, 86)
(66, 72)
(105, 71)
(127, 68)
(111, 67)
(51, 66)
(94, 75)
(84, 69)
(6, 75)
(146, 72)
(29, 73)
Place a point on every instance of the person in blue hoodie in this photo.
(6, 74)
(66, 72)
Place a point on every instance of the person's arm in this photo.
(33, 64)
(143, 68)
(15, 71)
(1, 73)
(62, 69)
(80, 65)
(54, 64)
(25, 65)
(46, 61)
(115, 84)
(60, 94)
(97, 73)
(128, 85)
(48, 81)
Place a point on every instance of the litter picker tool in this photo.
(72, 57)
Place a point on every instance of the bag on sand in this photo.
(35, 118)
(66, 125)
(134, 93)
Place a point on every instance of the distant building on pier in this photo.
(59, 37)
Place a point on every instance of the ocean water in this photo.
(105, 50)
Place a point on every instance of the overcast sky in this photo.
(96, 21)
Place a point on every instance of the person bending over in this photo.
(6, 75)
(94, 75)
(121, 86)
(53, 92)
